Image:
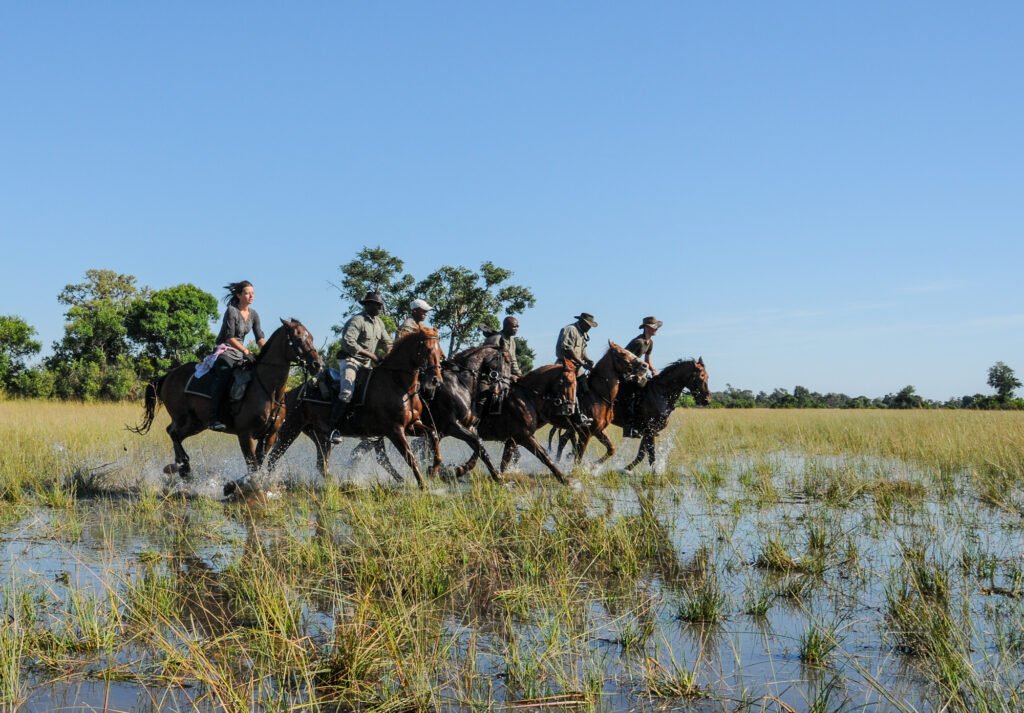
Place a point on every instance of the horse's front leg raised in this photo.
(397, 436)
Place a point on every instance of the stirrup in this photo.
(335, 438)
(216, 425)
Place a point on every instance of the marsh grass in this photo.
(476, 597)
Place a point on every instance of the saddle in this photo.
(325, 389)
(240, 377)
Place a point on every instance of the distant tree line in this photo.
(1000, 377)
(118, 335)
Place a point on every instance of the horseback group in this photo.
(391, 388)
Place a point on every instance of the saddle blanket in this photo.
(202, 386)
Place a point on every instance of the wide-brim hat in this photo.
(651, 322)
(588, 318)
(372, 297)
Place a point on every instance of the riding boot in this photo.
(579, 418)
(338, 410)
(221, 378)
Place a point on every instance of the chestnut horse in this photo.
(391, 407)
(532, 402)
(599, 401)
(254, 419)
(646, 409)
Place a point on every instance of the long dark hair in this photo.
(234, 290)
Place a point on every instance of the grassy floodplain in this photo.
(776, 560)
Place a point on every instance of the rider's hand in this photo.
(588, 364)
(249, 357)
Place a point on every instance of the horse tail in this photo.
(152, 401)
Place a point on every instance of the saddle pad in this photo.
(203, 385)
(313, 394)
(326, 391)
(199, 386)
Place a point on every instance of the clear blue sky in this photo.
(823, 194)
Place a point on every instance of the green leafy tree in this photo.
(16, 345)
(93, 360)
(378, 270)
(465, 301)
(525, 355)
(1003, 380)
(171, 326)
(905, 399)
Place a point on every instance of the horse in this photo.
(391, 406)
(598, 402)
(473, 378)
(646, 409)
(532, 401)
(254, 419)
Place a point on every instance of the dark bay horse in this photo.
(392, 405)
(532, 402)
(599, 401)
(647, 409)
(255, 418)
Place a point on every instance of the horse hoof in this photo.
(171, 468)
(230, 488)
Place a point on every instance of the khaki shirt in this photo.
(508, 345)
(572, 343)
(363, 332)
(409, 326)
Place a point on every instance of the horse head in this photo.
(698, 385)
(418, 351)
(564, 395)
(626, 364)
(300, 345)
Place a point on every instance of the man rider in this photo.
(361, 337)
(572, 344)
(642, 346)
(418, 309)
(505, 339)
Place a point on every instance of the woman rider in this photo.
(239, 319)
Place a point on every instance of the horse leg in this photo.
(397, 437)
(469, 465)
(649, 439)
(507, 453)
(639, 454)
(474, 441)
(434, 438)
(607, 443)
(248, 445)
(181, 461)
(381, 454)
(530, 444)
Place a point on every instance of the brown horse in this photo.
(646, 409)
(598, 402)
(254, 419)
(533, 401)
(392, 405)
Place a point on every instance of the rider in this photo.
(418, 309)
(239, 319)
(572, 344)
(643, 344)
(505, 339)
(361, 336)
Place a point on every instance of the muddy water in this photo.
(721, 525)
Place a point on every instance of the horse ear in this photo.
(700, 360)
(612, 345)
(283, 321)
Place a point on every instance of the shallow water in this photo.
(728, 521)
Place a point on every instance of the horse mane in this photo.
(539, 374)
(466, 356)
(667, 378)
(274, 336)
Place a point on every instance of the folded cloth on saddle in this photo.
(206, 364)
